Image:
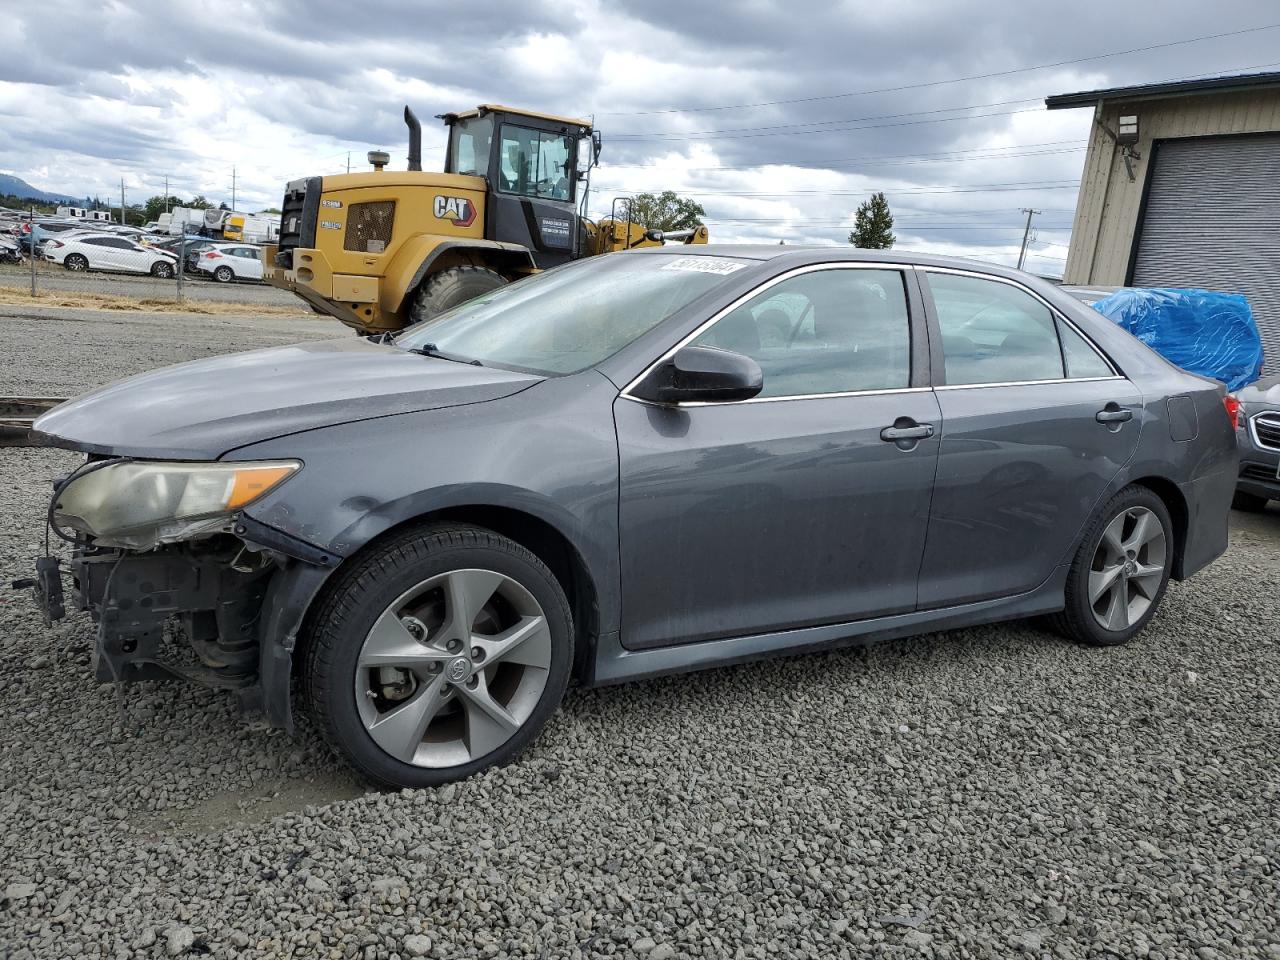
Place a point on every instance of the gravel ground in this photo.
(993, 792)
(51, 276)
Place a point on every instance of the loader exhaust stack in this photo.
(415, 139)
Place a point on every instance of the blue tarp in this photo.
(1212, 334)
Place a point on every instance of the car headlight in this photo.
(141, 504)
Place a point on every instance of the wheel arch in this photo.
(509, 259)
(1176, 504)
(540, 536)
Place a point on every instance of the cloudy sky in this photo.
(779, 117)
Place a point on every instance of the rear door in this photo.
(1036, 424)
(794, 508)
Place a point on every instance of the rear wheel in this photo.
(77, 262)
(224, 274)
(448, 288)
(1248, 502)
(440, 654)
(1121, 570)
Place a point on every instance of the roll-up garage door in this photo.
(1212, 220)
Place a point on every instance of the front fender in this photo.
(415, 258)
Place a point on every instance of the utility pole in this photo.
(1026, 234)
(233, 188)
(166, 193)
(122, 201)
(348, 161)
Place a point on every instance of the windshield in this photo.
(573, 317)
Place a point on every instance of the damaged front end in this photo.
(181, 584)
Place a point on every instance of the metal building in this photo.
(1181, 188)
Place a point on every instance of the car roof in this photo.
(799, 255)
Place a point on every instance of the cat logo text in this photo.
(459, 211)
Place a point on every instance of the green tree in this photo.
(198, 202)
(666, 211)
(873, 225)
(155, 206)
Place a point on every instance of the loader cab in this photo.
(530, 163)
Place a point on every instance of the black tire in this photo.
(1248, 502)
(162, 270)
(1077, 621)
(224, 274)
(77, 262)
(448, 288)
(362, 591)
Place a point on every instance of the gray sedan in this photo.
(632, 465)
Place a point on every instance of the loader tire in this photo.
(448, 288)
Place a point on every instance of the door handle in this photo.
(906, 431)
(1112, 413)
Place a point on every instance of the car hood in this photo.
(1265, 392)
(202, 409)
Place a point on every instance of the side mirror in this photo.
(703, 375)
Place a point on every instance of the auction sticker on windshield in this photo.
(717, 265)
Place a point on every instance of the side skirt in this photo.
(615, 664)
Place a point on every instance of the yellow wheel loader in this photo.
(385, 249)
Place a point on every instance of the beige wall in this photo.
(1107, 208)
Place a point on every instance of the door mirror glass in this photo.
(702, 375)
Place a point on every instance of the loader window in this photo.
(469, 145)
(535, 163)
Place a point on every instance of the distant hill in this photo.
(17, 187)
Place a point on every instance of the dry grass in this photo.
(17, 296)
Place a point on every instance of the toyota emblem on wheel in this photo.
(458, 669)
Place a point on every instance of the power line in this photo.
(828, 123)
(910, 191)
(673, 138)
(946, 156)
(939, 83)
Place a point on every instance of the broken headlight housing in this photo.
(140, 504)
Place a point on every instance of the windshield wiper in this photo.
(431, 350)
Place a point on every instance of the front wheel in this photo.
(449, 288)
(162, 269)
(441, 653)
(1120, 571)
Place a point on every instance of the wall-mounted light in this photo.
(1128, 131)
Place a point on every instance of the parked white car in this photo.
(231, 261)
(105, 251)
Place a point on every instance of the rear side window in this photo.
(1082, 360)
(822, 332)
(993, 332)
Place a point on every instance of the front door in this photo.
(790, 509)
(531, 195)
(1037, 423)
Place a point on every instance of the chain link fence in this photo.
(105, 264)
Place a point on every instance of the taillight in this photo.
(212, 255)
(1232, 406)
(56, 243)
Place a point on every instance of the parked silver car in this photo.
(631, 465)
(1259, 439)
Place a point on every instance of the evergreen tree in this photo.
(873, 225)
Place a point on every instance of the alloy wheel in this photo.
(453, 668)
(1127, 569)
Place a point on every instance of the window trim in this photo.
(904, 269)
(1058, 315)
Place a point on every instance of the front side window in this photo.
(826, 331)
(993, 332)
(573, 317)
(535, 163)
